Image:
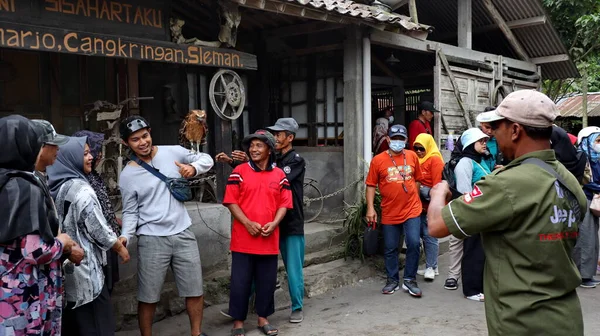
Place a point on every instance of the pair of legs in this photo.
(473, 262)
(193, 305)
(585, 253)
(391, 237)
(94, 319)
(292, 253)
(430, 244)
(456, 255)
(155, 256)
(246, 269)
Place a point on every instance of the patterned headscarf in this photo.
(587, 145)
(95, 141)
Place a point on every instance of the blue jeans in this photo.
(430, 244)
(391, 240)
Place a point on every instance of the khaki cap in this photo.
(526, 107)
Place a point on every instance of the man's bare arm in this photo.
(435, 222)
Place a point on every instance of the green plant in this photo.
(355, 225)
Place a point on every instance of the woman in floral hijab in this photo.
(94, 141)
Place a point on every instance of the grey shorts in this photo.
(156, 254)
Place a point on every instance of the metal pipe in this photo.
(366, 59)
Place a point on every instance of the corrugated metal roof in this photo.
(571, 106)
(362, 11)
(538, 41)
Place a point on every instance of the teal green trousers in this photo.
(292, 253)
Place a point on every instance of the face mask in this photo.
(397, 145)
(596, 147)
(391, 119)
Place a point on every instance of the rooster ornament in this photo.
(193, 130)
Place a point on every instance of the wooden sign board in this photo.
(20, 36)
(139, 18)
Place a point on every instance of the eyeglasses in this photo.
(419, 149)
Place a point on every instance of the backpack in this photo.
(448, 172)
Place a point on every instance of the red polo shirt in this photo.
(415, 128)
(259, 194)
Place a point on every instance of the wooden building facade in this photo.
(331, 64)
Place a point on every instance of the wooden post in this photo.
(412, 8)
(512, 40)
(446, 65)
(353, 114)
(224, 144)
(584, 100)
(465, 29)
(311, 106)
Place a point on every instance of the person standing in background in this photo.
(380, 130)
(422, 124)
(432, 165)
(397, 173)
(586, 249)
(291, 238)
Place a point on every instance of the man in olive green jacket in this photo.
(528, 215)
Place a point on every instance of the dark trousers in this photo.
(472, 265)
(111, 270)
(248, 268)
(92, 319)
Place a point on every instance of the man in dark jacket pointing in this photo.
(291, 241)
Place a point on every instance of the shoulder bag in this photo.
(179, 187)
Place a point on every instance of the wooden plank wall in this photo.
(476, 88)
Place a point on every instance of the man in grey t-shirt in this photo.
(161, 222)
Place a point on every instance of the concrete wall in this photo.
(211, 223)
(326, 165)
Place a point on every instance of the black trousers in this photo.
(472, 266)
(111, 270)
(248, 268)
(92, 319)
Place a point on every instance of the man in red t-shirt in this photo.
(422, 123)
(258, 195)
(397, 173)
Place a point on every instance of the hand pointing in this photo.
(186, 170)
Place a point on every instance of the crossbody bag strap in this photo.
(571, 195)
(480, 166)
(149, 168)
(549, 169)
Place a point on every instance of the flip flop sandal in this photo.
(269, 330)
(238, 332)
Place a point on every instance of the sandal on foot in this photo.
(269, 330)
(238, 332)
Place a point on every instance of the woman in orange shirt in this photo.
(432, 165)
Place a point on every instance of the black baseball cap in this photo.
(49, 135)
(427, 105)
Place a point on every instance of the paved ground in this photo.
(362, 310)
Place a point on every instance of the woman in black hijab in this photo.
(30, 255)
